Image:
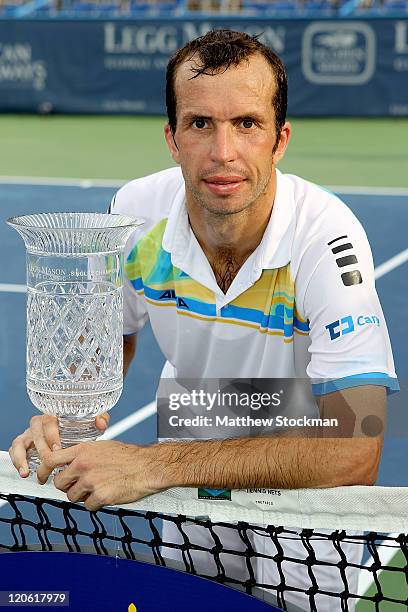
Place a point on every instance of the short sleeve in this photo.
(349, 342)
(149, 198)
(134, 310)
(134, 307)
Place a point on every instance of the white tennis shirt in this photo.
(303, 304)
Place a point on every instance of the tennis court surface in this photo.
(384, 214)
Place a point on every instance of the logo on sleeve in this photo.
(347, 325)
(345, 258)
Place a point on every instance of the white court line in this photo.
(49, 181)
(130, 421)
(12, 288)
(96, 182)
(380, 191)
(391, 264)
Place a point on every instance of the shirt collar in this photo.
(274, 250)
(177, 235)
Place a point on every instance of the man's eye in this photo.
(199, 123)
(247, 123)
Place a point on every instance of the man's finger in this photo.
(66, 479)
(93, 503)
(52, 460)
(37, 429)
(51, 433)
(18, 452)
(59, 458)
(43, 473)
(102, 421)
(76, 493)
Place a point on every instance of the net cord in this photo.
(359, 508)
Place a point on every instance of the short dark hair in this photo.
(221, 49)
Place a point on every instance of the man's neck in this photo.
(228, 240)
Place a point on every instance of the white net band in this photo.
(360, 508)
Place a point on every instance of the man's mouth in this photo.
(224, 184)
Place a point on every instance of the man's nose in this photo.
(223, 144)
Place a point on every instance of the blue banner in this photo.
(348, 67)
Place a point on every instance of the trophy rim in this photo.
(130, 222)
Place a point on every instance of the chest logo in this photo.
(170, 294)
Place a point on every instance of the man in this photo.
(242, 272)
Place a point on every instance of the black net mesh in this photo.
(256, 558)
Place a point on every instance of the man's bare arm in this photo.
(293, 461)
(110, 472)
(267, 462)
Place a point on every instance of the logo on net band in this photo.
(347, 325)
(215, 494)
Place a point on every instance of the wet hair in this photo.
(218, 50)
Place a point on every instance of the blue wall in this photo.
(336, 67)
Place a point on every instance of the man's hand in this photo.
(101, 473)
(43, 433)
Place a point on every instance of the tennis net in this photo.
(307, 549)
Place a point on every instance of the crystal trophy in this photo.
(74, 317)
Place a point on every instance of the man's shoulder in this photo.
(323, 226)
(313, 199)
(319, 211)
(152, 194)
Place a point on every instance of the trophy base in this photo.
(72, 431)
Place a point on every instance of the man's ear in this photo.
(171, 143)
(283, 142)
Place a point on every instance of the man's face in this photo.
(225, 137)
